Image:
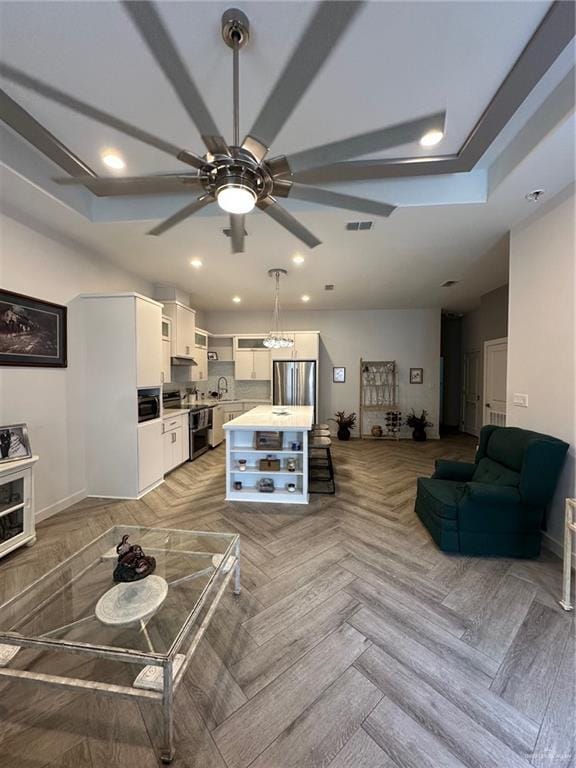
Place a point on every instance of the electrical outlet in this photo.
(520, 400)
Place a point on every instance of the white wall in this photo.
(409, 336)
(50, 400)
(542, 335)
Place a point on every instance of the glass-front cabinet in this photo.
(249, 343)
(201, 339)
(16, 508)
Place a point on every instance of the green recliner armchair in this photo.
(497, 505)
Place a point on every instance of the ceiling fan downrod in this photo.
(236, 33)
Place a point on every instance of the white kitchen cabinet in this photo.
(201, 339)
(150, 464)
(148, 343)
(175, 441)
(166, 364)
(242, 343)
(306, 346)
(166, 350)
(252, 365)
(199, 372)
(121, 335)
(217, 433)
(183, 342)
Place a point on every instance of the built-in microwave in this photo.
(148, 407)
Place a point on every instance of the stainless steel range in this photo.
(199, 422)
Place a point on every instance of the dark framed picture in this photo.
(32, 331)
(339, 374)
(14, 443)
(416, 375)
(212, 355)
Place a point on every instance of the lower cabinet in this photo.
(175, 442)
(150, 469)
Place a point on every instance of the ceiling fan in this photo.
(238, 176)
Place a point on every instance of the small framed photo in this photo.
(339, 375)
(32, 331)
(212, 355)
(416, 375)
(14, 443)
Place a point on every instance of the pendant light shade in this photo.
(275, 338)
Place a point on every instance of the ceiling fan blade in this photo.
(30, 129)
(327, 26)
(182, 214)
(365, 143)
(113, 186)
(237, 232)
(283, 217)
(364, 170)
(159, 41)
(49, 92)
(338, 200)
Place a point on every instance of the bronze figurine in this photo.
(132, 564)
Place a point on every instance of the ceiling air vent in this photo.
(328, 287)
(449, 283)
(355, 226)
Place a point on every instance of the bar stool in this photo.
(320, 466)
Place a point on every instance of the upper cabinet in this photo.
(201, 339)
(148, 343)
(166, 350)
(183, 342)
(306, 347)
(251, 358)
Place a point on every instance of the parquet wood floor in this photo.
(355, 642)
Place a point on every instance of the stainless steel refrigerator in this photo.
(294, 383)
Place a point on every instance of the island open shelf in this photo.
(292, 425)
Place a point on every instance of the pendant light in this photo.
(276, 339)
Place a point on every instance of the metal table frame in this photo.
(229, 567)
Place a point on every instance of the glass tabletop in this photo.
(61, 606)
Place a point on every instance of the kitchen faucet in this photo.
(222, 389)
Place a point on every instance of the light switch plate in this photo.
(520, 400)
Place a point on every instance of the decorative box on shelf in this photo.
(17, 504)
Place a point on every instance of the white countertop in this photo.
(268, 417)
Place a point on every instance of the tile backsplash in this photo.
(237, 390)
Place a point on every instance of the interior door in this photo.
(495, 362)
(471, 394)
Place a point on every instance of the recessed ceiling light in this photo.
(298, 259)
(431, 138)
(113, 160)
(305, 297)
(236, 299)
(196, 263)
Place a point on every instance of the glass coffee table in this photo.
(137, 641)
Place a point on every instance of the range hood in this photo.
(183, 361)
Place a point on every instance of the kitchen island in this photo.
(269, 432)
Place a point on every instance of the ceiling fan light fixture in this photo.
(431, 138)
(236, 198)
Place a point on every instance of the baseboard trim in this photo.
(53, 509)
(557, 548)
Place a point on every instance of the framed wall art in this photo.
(212, 355)
(14, 443)
(416, 375)
(339, 374)
(32, 331)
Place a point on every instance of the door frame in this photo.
(487, 344)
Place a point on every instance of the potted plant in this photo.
(345, 424)
(418, 424)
